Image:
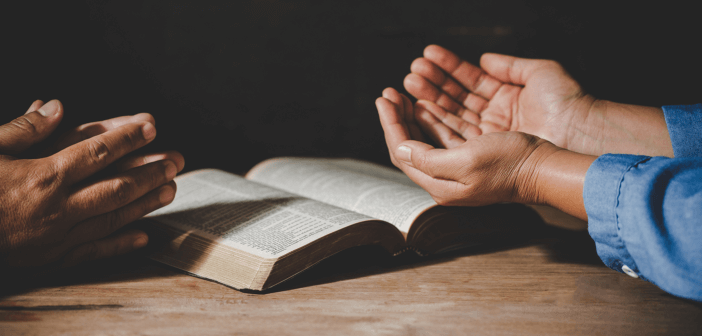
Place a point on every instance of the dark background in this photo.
(234, 82)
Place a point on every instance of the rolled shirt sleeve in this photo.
(645, 213)
(685, 128)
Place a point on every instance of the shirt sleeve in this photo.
(685, 128)
(645, 213)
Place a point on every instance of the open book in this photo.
(290, 213)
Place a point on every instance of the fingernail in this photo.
(166, 195)
(404, 154)
(49, 109)
(171, 170)
(140, 242)
(149, 131)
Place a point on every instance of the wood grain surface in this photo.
(549, 284)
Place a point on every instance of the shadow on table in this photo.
(137, 265)
(562, 245)
(125, 268)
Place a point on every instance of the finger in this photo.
(433, 162)
(393, 125)
(115, 192)
(101, 226)
(408, 108)
(120, 243)
(437, 130)
(137, 161)
(87, 157)
(34, 126)
(90, 130)
(405, 112)
(446, 85)
(420, 88)
(414, 131)
(512, 69)
(466, 129)
(491, 127)
(397, 98)
(35, 106)
(423, 174)
(471, 77)
(451, 128)
(493, 119)
(396, 133)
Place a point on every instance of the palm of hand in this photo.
(549, 105)
(488, 169)
(459, 101)
(478, 171)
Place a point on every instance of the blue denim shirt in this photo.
(645, 213)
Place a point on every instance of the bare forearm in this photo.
(624, 129)
(556, 179)
(558, 175)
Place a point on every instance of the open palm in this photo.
(458, 100)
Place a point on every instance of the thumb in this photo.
(434, 162)
(34, 126)
(35, 106)
(510, 69)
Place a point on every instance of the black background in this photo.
(234, 82)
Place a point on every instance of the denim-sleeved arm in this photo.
(645, 214)
(685, 128)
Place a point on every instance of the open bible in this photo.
(288, 214)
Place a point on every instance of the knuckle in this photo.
(25, 125)
(43, 179)
(157, 174)
(58, 167)
(98, 152)
(122, 190)
(115, 220)
(132, 137)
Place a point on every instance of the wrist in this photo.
(528, 190)
(625, 129)
(555, 177)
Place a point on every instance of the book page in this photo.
(372, 169)
(365, 188)
(248, 216)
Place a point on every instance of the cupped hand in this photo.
(504, 94)
(486, 169)
(57, 209)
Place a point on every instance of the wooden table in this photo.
(549, 284)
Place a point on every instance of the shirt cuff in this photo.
(685, 128)
(600, 195)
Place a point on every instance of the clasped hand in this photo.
(70, 204)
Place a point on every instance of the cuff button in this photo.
(629, 272)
